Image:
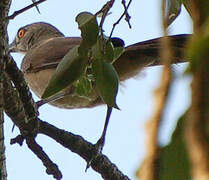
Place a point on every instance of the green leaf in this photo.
(172, 9)
(69, 69)
(106, 81)
(108, 51)
(202, 9)
(198, 48)
(83, 87)
(89, 28)
(173, 158)
(118, 51)
(105, 75)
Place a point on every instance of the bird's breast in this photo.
(38, 81)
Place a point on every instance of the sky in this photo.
(125, 138)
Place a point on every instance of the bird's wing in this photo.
(48, 54)
(135, 57)
(147, 53)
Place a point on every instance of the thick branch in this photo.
(73, 142)
(86, 150)
(14, 109)
(25, 95)
(3, 172)
(51, 168)
(4, 9)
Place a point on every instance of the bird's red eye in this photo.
(21, 33)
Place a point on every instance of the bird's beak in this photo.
(12, 47)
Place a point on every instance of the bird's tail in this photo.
(147, 53)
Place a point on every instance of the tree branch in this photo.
(73, 142)
(4, 9)
(125, 13)
(86, 150)
(3, 171)
(51, 168)
(149, 167)
(24, 9)
(196, 132)
(17, 78)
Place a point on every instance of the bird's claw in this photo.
(98, 150)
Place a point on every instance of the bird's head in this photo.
(32, 35)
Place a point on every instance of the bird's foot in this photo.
(97, 150)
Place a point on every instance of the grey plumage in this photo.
(44, 46)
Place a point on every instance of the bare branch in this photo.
(73, 142)
(25, 9)
(128, 17)
(51, 168)
(25, 95)
(36, 6)
(3, 172)
(105, 9)
(4, 9)
(125, 13)
(86, 150)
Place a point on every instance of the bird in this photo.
(44, 46)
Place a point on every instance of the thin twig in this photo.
(128, 17)
(104, 11)
(24, 9)
(36, 7)
(125, 13)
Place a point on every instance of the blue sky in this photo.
(126, 135)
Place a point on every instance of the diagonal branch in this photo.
(125, 13)
(75, 143)
(25, 9)
(14, 109)
(86, 150)
(38, 151)
(25, 95)
(36, 6)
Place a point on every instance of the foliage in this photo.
(173, 158)
(95, 53)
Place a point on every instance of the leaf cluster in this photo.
(88, 63)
